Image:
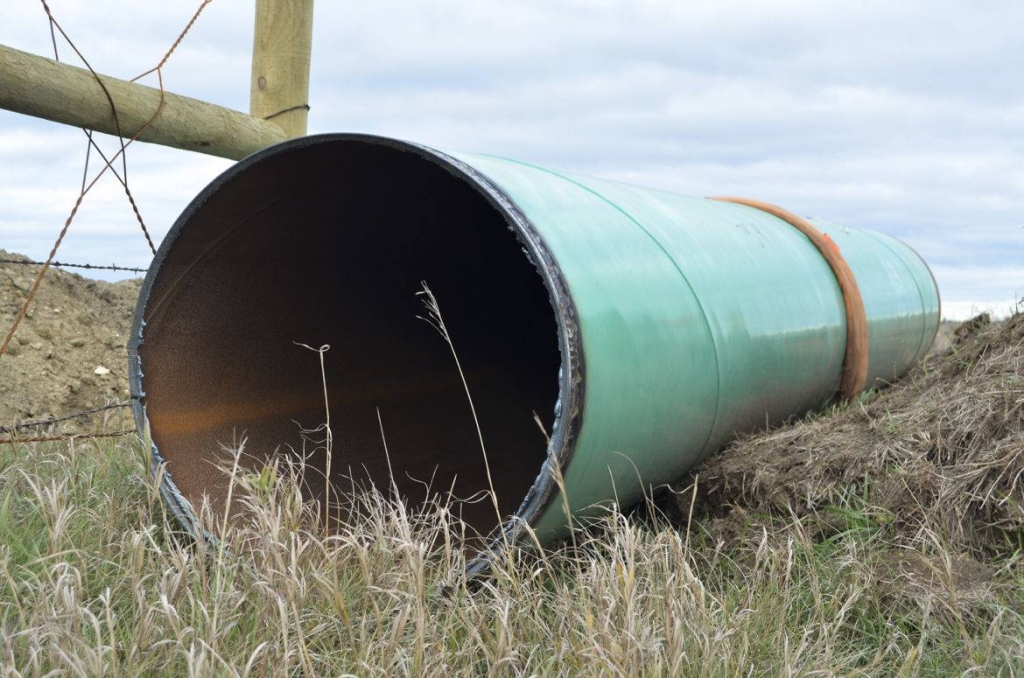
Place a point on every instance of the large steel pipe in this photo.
(643, 328)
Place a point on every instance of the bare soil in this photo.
(70, 352)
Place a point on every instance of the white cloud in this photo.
(900, 117)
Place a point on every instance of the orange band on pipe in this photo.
(855, 360)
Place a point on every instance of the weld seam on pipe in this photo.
(855, 359)
(661, 246)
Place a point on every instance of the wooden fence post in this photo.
(282, 43)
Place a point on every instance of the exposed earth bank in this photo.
(70, 352)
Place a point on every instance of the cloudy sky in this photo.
(905, 117)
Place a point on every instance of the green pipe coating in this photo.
(679, 322)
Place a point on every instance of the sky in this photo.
(902, 117)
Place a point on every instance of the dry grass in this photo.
(93, 581)
(881, 539)
(939, 455)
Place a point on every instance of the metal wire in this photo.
(63, 264)
(117, 123)
(42, 423)
(300, 107)
(70, 436)
(177, 42)
(55, 25)
(122, 177)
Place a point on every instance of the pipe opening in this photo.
(328, 243)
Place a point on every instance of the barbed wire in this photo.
(64, 264)
(68, 436)
(43, 423)
(13, 439)
(55, 27)
(85, 187)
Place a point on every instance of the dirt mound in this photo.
(939, 454)
(70, 352)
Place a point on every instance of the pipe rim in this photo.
(568, 407)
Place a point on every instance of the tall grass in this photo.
(95, 580)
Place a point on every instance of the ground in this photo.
(940, 450)
(70, 352)
(879, 537)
